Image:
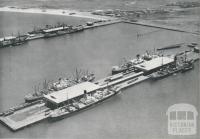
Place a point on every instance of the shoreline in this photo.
(61, 12)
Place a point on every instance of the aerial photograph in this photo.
(100, 69)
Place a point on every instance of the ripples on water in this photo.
(138, 112)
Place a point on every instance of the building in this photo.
(58, 98)
(52, 30)
(154, 64)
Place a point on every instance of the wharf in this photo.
(106, 81)
(39, 111)
(193, 56)
(25, 117)
(123, 82)
(35, 37)
(102, 24)
(148, 24)
(99, 24)
(134, 81)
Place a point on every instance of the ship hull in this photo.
(60, 117)
(61, 33)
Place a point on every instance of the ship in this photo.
(61, 30)
(38, 30)
(175, 67)
(128, 65)
(62, 83)
(86, 101)
(13, 40)
(188, 66)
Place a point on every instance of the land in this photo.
(181, 15)
(173, 16)
(61, 12)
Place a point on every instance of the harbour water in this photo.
(139, 112)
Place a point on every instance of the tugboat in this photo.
(188, 66)
(160, 74)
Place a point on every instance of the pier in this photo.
(143, 23)
(31, 114)
(55, 32)
(25, 117)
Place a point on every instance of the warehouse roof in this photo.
(7, 38)
(54, 29)
(154, 63)
(71, 92)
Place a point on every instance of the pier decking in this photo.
(25, 117)
(40, 111)
(148, 24)
(95, 25)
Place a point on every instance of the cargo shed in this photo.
(58, 98)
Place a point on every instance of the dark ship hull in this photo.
(68, 114)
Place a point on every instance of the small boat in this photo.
(159, 75)
(31, 98)
(188, 66)
(196, 49)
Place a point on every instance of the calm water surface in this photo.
(139, 112)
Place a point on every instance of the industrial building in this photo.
(59, 98)
(154, 64)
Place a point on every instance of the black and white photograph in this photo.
(99, 69)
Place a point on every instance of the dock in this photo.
(36, 113)
(31, 114)
(95, 25)
(143, 23)
(105, 23)
(105, 82)
(25, 117)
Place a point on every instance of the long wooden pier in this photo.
(142, 23)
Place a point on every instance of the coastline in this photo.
(61, 12)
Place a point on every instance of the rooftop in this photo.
(55, 29)
(7, 38)
(71, 92)
(154, 63)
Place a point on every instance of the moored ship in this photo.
(62, 83)
(128, 65)
(61, 30)
(13, 40)
(84, 101)
(179, 65)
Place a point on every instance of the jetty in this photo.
(58, 30)
(30, 113)
(148, 24)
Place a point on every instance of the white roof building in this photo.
(154, 63)
(7, 38)
(55, 29)
(71, 92)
